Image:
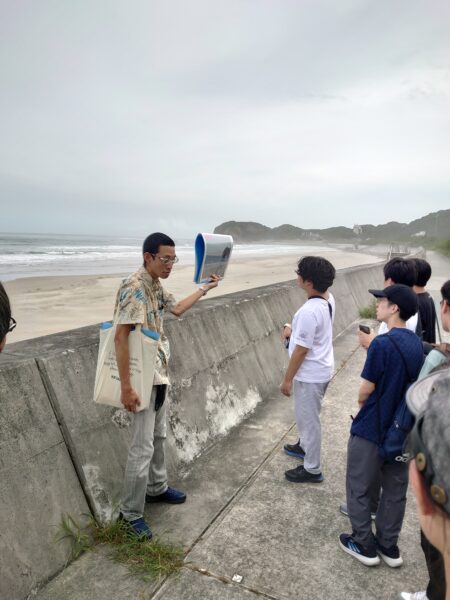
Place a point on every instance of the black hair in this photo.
(400, 270)
(153, 241)
(404, 315)
(5, 313)
(318, 270)
(445, 292)
(423, 271)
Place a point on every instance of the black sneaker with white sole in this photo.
(368, 556)
(391, 556)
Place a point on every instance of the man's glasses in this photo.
(12, 325)
(167, 259)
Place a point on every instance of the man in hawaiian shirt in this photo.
(141, 299)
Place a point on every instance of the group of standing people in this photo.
(375, 488)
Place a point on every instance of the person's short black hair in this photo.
(445, 292)
(5, 313)
(400, 270)
(318, 270)
(423, 271)
(153, 241)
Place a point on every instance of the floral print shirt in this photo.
(143, 300)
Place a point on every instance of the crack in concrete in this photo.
(228, 581)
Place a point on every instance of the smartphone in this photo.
(364, 328)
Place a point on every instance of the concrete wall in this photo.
(60, 453)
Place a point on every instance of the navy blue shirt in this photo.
(385, 368)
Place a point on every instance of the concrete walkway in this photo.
(243, 518)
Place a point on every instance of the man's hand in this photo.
(213, 282)
(286, 332)
(286, 387)
(443, 347)
(365, 339)
(130, 399)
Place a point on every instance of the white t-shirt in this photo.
(411, 324)
(312, 327)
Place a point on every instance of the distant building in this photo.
(357, 229)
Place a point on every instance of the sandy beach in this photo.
(45, 305)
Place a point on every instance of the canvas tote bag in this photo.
(143, 347)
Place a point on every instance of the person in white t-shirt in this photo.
(311, 364)
(396, 270)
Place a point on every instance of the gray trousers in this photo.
(364, 468)
(308, 399)
(145, 472)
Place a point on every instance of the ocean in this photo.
(39, 255)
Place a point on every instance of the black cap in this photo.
(401, 295)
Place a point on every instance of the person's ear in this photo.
(424, 502)
(147, 257)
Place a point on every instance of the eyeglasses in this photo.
(12, 325)
(167, 259)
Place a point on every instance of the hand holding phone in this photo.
(364, 329)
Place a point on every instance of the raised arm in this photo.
(183, 305)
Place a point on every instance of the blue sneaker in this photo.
(170, 496)
(294, 450)
(138, 527)
(368, 556)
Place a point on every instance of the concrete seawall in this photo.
(60, 453)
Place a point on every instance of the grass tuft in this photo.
(369, 312)
(148, 560)
(79, 538)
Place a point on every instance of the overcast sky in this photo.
(133, 116)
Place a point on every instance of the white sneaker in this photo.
(413, 596)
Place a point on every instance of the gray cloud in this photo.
(185, 114)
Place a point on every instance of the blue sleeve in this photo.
(374, 366)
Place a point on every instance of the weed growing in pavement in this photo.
(147, 559)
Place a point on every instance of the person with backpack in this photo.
(393, 361)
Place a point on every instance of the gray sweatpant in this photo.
(364, 467)
(308, 399)
(146, 467)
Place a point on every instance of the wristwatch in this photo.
(203, 289)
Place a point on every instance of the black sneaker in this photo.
(368, 556)
(300, 475)
(391, 556)
(294, 450)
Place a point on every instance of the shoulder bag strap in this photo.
(330, 308)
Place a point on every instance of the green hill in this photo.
(426, 231)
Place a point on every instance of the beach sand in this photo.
(45, 305)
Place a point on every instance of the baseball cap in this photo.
(429, 400)
(401, 295)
